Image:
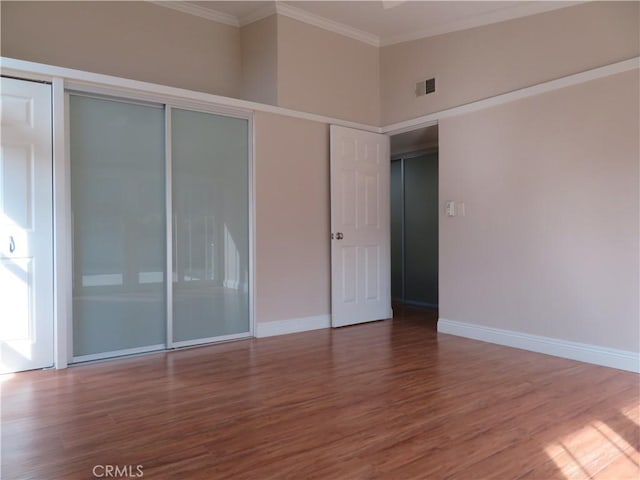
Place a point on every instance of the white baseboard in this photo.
(292, 325)
(583, 352)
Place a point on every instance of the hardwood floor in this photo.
(388, 400)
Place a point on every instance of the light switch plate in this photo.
(450, 208)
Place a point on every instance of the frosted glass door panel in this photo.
(210, 226)
(118, 204)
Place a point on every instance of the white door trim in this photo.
(62, 235)
(168, 212)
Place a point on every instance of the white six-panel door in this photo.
(360, 244)
(26, 242)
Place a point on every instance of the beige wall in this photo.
(292, 218)
(549, 243)
(327, 73)
(135, 40)
(259, 45)
(485, 61)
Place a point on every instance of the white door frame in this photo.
(62, 229)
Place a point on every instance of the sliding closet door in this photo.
(397, 230)
(210, 215)
(118, 207)
(421, 230)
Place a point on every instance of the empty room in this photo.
(320, 240)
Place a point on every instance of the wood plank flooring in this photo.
(385, 400)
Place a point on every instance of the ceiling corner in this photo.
(326, 24)
(263, 12)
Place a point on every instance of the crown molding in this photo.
(500, 15)
(281, 8)
(326, 24)
(191, 9)
(268, 10)
(263, 12)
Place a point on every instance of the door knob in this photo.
(339, 236)
(12, 244)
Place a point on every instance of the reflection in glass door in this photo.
(210, 233)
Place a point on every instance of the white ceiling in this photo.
(375, 22)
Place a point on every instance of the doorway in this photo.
(414, 218)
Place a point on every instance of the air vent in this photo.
(425, 87)
(430, 85)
